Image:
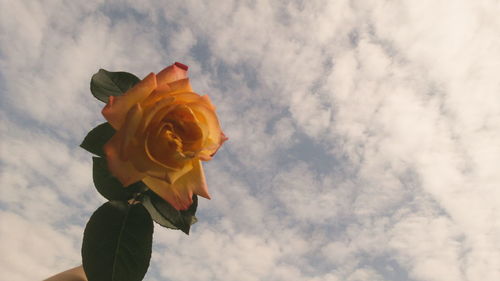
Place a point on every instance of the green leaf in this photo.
(106, 83)
(117, 243)
(96, 139)
(109, 186)
(155, 215)
(166, 215)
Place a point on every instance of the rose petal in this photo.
(207, 154)
(164, 146)
(132, 145)
(142, 161)
(172, 73)
(186, 127)
(157, 95)
(181, 85)
(185, 97)
(181, 97)
(208, 102)
(204, 156)
(207, 117)
(166, 92)
(180, 193)
(156, 148)
(180, 199)
(124, 171)
(129, 130)
(172, 176)
(223, 139)
(196, 179)
(117, 107)
(192, 137)
(157, 111)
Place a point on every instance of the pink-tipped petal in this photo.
(181, 65)
(116, 109)
(172, 73)
(223, 137)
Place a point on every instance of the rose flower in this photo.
(163, 130)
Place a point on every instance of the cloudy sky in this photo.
(364, 136)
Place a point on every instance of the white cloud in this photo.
(433, 250)
(401, 100)
(218, 254)
(35, 250)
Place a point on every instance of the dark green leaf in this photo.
(109, 186)
(165, 215)
(155, 215)
(117, 243)
(105, 84)
(97, 138)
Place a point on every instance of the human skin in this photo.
(74, 274)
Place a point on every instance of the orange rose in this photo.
(163, 130)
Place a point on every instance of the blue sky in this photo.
(363, 135)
